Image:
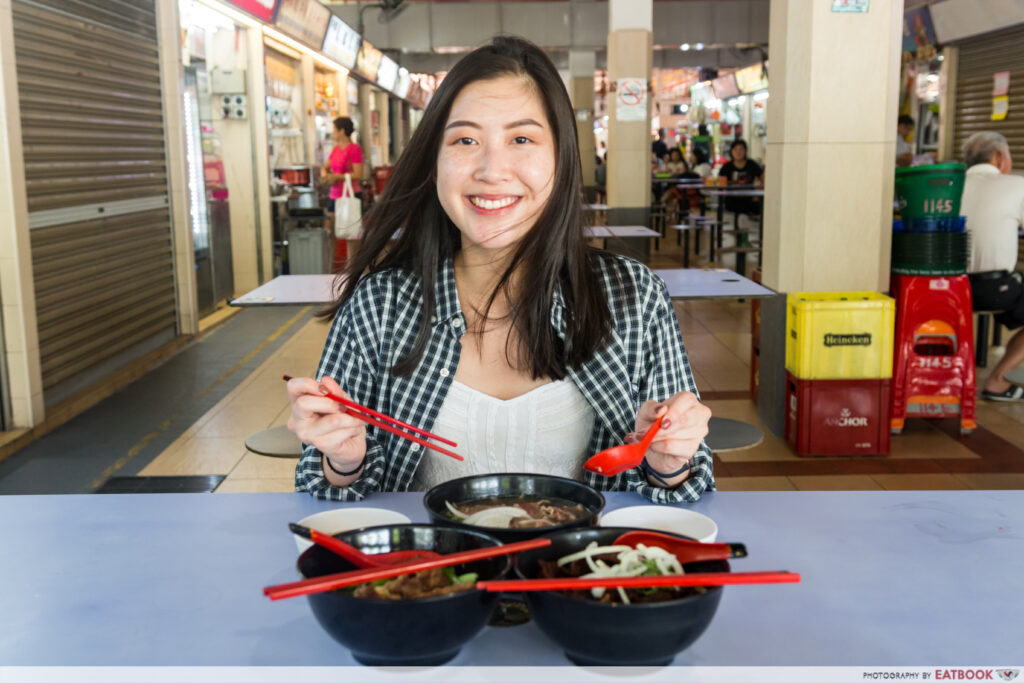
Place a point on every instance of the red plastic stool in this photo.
(933, 368)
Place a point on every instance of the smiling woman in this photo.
(489, 320)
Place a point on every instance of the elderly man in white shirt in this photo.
(993, 202)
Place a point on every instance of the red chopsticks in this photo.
(330, 582)
(367, 414)
(704, 579)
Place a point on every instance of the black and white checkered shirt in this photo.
(645, 360)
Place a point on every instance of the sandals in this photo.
(1014, 394)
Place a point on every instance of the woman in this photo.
(741, 171)
(676, 165)
(346, 158)
(489, 320)
(700, 162)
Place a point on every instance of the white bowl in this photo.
(345, 519)
(664, 518)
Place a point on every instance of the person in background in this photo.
(490, 292)
(659, 148)
(676, 165)
(904, 154)
(700, 162)
(601, 177)
(346, 158)
(993, 202)
(740, 170)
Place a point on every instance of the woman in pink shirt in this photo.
(346, 158)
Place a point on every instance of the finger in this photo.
(302, 386)
(331, 386)
(648, 413)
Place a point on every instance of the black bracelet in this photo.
(662, 477)
(345, 474)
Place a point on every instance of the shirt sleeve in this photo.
(348, 358)
(356, 155)
(668, 372)
(725, 171)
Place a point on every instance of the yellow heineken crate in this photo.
(839, 335)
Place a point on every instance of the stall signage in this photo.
(851, 5)
(368, 61)
(752, 79)
(1000, 95)
(631, 100)
(261, 9)
(402, 87)
(387, 73)
(341, 42)
(304, 20)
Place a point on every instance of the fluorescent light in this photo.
(684, 47)
(699, 46)
(763, 95)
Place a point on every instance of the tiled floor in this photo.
(928, 455)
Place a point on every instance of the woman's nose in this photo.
(493, 164)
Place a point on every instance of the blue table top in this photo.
(890, 578)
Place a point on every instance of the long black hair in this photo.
(553, 254)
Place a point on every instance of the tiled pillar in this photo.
(19, 338)
(630, 44)
(831, 146)
(581, 92)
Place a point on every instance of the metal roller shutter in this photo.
(95, 168)
(980, 59)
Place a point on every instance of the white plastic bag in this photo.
(348, 213)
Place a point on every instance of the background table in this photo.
(890, 578)
(710, 283)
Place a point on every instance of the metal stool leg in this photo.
(981, 341)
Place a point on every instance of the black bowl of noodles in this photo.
(399, 623)
(514, 506)
(608, 632)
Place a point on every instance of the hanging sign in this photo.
(1001, 83)
(1000, 107)
(1000, 96)
(304, 20)
(631, 100)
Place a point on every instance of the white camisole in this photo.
(546, 430)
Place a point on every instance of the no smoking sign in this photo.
(631, 100)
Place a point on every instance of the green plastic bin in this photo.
(929, 190)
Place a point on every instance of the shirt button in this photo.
(433, 318)
(444, 372)
(456, 323)
(415, 447)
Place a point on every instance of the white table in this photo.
(290, 290)
(920, 579)
(710, 283)
(285, 290)
(620, 231)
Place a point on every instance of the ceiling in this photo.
(429, 35)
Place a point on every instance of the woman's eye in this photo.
(521, 140)
(465, 141)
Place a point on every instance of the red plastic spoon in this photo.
(686, 550)
(618, 459)
(358, 557)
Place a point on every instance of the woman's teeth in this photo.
(491, 204)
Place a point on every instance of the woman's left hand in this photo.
(684, 425)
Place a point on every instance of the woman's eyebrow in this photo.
(514, 124)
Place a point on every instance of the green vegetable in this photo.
(461, 578)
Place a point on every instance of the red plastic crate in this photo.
(837, 416)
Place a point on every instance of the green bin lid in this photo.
(932, 168)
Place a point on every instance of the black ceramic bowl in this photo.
(480, 487)
(423, 632)
(598, 634)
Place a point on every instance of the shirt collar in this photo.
(983, 169)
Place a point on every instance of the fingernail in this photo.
(323, 389)
(665, 424)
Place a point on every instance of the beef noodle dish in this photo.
(519, 512)
(426, 584)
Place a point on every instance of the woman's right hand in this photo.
(323, 423)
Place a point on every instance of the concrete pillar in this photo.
(257, 83)
(947, 105)
(831, 146)
(630, 45)
(384, 114)
(365, 125)
(21, 378)
(581, 93)
(308, 108)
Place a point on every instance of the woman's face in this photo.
(497, 162)
(739, 153)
